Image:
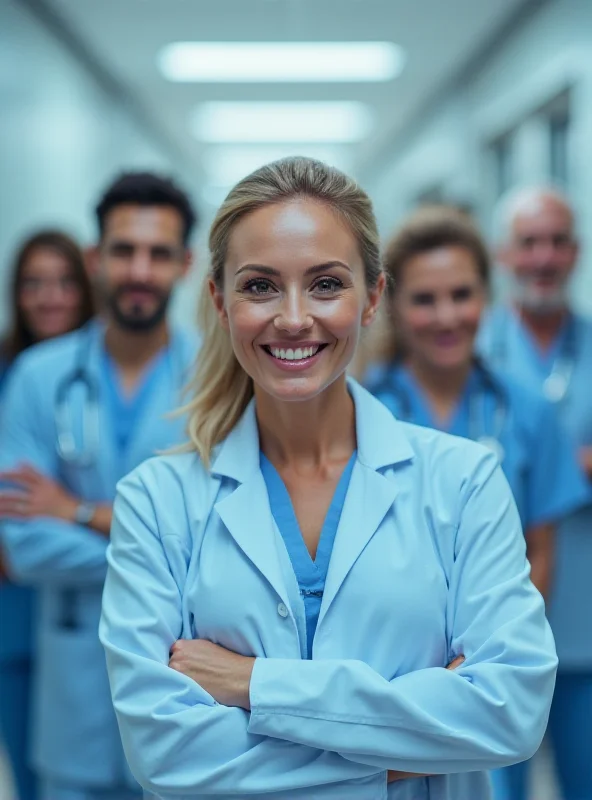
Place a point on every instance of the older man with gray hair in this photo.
(538, 338)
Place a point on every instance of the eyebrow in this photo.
(261, 268)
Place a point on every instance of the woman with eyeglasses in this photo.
(50, 294)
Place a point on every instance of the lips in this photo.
(295, 356)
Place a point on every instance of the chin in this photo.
(543, 300)
(451, 361)
(294, 389)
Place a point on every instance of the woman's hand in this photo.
(223, 674)
(394, 775)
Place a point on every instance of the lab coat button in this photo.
(282, 610)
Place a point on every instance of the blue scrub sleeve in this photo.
(556, 485)
(177, 739)
(490, 712)
(43, 550)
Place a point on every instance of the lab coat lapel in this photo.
(245, 511)
(381, 443)
(369, 498)
(247, 516)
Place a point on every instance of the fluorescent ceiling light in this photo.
(226, 165)
(281, 122)
(275, 62)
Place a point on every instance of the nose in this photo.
(446, 312)
(546, 253)
(140, 264)
(53, 293)
(293, 315)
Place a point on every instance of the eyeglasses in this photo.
(33, 286)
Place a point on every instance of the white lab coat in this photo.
(428, 562)
(75, 736)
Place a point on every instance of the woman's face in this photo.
(49, 295)
(294, 297)
(438, 304)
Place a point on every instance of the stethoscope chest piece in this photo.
(555, 387)
(493, 444)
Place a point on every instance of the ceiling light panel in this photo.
(281, 62)
(337, 122)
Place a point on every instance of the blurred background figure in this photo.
(77, 414)
(423, 102)
(50, 295)
(539, 339)
(439, 269)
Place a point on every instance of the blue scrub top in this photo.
(509, 347)
(124, 409)
(311, 575)
(16, 603)
(538, 459)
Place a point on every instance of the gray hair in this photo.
(519, 199)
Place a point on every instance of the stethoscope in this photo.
(556, 384)
(66, 447)
(478, 417)
(87, 453)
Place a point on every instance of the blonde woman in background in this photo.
(283, 599)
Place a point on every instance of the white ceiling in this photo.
(439, 36)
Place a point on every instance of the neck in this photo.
(311, 433)
(443, 387)
(131, 350)
(544, 326)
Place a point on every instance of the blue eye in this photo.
(328, 285)
(258, 287)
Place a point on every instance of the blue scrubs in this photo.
(79, 754)
(16, 667)
(311, 575)
(510, 348)
(125, 410)
(494, 406)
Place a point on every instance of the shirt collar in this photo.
(381, 439)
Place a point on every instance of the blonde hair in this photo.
(221, 388)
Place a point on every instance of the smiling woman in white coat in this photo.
(316, 600)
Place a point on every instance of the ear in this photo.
(373, 302)
(92, 260)
(217, 296)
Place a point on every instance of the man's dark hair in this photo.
(146, 189)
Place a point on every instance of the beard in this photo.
(136, 318)
(530, 297)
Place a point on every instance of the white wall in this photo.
(549, 52)
(62, 139)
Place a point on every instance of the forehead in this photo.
(440, 268)
(542, 215)
(295, 233)
(45, 260)
(147, 224)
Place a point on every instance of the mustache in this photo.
(122, 290)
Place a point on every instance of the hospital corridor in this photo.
(295, 399)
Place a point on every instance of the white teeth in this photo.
(294, 355)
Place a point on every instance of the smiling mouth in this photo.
(294, 356)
